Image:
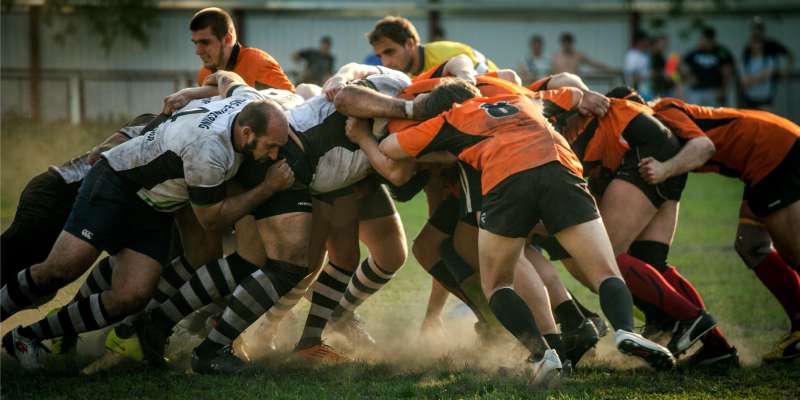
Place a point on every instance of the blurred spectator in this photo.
(535, 65)
(636, 67)
(763, 60)
(708, 68)
(318, 62)
(757, 76)
(569, 60)
(664, 69)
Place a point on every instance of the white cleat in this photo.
(546, 371)
(28, 351)
(636, 345)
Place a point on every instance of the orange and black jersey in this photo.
(255, 66)
(541, 84)
(554, 101)
(749, 143)
(499, 136)
(599, 141)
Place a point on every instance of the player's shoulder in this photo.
(255, 54)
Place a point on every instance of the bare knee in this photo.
(126, 300)
(391, 257)
(426, 251)
(751, 247)
(53, 274)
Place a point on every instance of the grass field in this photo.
(448, 367)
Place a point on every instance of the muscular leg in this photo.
(68, 259)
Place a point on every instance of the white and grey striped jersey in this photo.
(335, 160)
(188, 157)
(76, 169)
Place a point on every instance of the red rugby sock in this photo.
(784, 283)
(649, 285)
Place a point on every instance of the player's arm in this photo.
(182, 97)
(205, 174)
(695, 153)
(362, 102)
(591, 102)
(347, 73)
(398, 172)
(224, 81)
(460, 66)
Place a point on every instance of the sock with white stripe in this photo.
(83, 315)
(209, 283)
(327, 291)
(19, 294)
(257, 294)
(367, 280)
(99, 280)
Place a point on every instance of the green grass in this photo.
(447, 368)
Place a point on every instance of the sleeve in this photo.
(679, 123)
(416, 139)
(389, 82)
(435, 72)
(541, 84)
(557, 101)
(204, 169)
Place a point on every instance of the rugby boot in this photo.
(222, 362)
(546, 370)
(27, 351)
(787, 349)
(687, 332)
(635, 345)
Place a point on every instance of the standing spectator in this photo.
(663, 69)
(318, 62)
(709, 68)
(636, 66)
(763, 61)
(757, 80)
(535, 65)
(569, 59)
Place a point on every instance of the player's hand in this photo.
(357, 130)
(278, 177)
(593, 103)
(653, 171)
(468, 75)
(175, 102)
(211, 79)
(332, 87)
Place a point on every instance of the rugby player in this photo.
(396, 42)
(486, 119)
(315, 152)
(136, 186)
(763, 150)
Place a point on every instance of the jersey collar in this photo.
(421, 60)
(233, 58)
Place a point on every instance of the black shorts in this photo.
(471, 196)
(550, 244)
(649, 138)
(43, 208)
(109, 215)
(779, 189)
(374, 200)
(284, 202)
(550, 193)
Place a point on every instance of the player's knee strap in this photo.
(752, 249)
(651, 252)
(457, 266)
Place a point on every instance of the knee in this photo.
(126, 301)
(391, 258)
(425, 251)
(751, 250)
(54, 275)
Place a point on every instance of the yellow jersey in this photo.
(434, 53)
